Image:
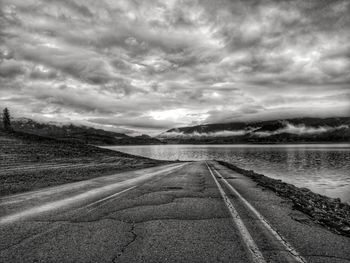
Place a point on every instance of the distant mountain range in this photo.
(299, 130)
(83, 134)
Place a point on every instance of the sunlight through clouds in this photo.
(165, 64)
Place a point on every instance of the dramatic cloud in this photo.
(153, 65)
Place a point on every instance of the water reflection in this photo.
(321, 168)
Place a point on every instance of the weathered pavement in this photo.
(193, 212)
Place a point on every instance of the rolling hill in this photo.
(80, 133)
(29, 161)
(298, 130)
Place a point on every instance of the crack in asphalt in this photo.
(98, 220)
(328, 256)
(81, 222)
(136, 222)
(201, 190)
(36, 235)
(30, 237)
(133, 239)
(173, 199)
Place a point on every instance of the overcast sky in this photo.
(148, 66)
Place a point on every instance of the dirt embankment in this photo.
(29, 162)
(328, 212)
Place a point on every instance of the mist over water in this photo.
(323, 168)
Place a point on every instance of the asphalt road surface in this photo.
(186, 212)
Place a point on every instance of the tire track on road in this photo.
(295, 256)
(91, 193)
(252, 248)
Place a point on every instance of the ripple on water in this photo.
(323, 168)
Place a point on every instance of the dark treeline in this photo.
(6, 120)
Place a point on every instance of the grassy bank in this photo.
(29, 162)
(328, 212)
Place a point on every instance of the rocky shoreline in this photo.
(328, 212)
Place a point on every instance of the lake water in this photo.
(323, 168)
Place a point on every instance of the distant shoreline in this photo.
(291, 143)
(321, 167)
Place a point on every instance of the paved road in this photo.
(188, 212)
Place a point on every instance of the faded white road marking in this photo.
(289, 248)
(108, 198)
(255, 253)
(81, 197)
(22, 197)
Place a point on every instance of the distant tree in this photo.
(6, 120)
